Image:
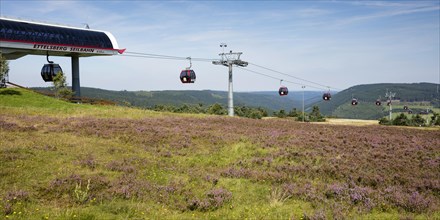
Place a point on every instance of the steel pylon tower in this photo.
(230, 59)
(390, 96)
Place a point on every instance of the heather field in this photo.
(69, 161)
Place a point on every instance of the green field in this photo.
(61, 160)
(416, 108)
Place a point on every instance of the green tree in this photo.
(183, 109)
(280, 114)
(60, 86)
(250, 112)
(216, 109)
(293, 113)
(302, 117)
(384, 121)
(256, 114)
(315, 115)
(4, 70)
(435, 119)
(401, 120)
(263, 112)
(437, 122)
(417, 121)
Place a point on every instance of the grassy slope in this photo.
(143, 164)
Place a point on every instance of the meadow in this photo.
(61, 160)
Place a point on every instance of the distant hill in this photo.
(340, 104)
(269, 100)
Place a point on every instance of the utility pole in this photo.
(303, 100)
(390, 97)
(228, 60)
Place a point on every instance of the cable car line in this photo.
(152, 57)
(285, 74)
(159, 56)
(278, 79)
(168, 57)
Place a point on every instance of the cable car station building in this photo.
(19, 38)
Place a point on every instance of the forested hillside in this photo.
(146, 99)
(340, 104)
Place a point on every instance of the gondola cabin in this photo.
(283, 91)
(405, 107)
(354, 102)
(327, 96)
(49, 71)
(187, 76)
(410, 111)
(378, 102)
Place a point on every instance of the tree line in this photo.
(214, 109)
(415, 120)
(314, 116)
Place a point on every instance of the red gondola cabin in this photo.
(354, 102)
(327, 96)
(187, 76)
(283, 91)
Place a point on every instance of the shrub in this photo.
(216, 109)
(384, 121)
(278, 196)
(293, 113)
(315, 115)
(401, 120)
(215, 199)
(60, 87)
(82, 195)
(280, 114)
(13, 197)
(417, 121)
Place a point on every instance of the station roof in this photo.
(19, 38)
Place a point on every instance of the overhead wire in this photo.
(285, 74)
(168, 57)
(159, 56)
(288, 81)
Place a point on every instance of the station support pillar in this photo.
(75, 77)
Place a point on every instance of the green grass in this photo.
(20, 101)
(148, 165)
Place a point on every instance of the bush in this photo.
(60, 87)
(248, 112)
(401, 120)
(215, 199)
(280, 114)
(435, 119)
(315, 115)
(216, 109)
(384, 121)
(293, 113)
(417, 121)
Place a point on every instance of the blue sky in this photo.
(334, 43)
